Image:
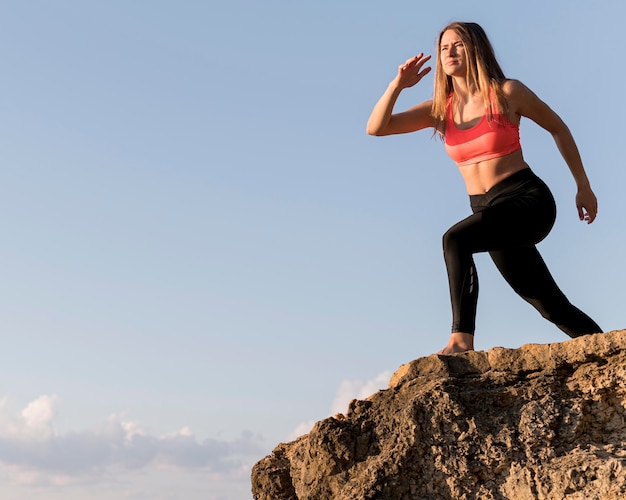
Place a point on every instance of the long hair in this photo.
(483, 73)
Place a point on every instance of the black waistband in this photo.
(523, 183)
(511, 182)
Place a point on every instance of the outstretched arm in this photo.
(383, 121)
(525, 103)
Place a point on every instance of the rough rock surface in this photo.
(538, 422)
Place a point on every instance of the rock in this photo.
(538, 422)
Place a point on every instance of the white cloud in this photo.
(36, 453)
(346, 392)
(302, 429)
(357, 389)
(38, 416)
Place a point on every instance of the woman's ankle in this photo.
(458, 342)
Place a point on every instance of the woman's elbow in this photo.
(375, 131)
(560, 131)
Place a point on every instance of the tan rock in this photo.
(539, 422)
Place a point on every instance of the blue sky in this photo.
(203, 252)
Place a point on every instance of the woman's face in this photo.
(452, 54)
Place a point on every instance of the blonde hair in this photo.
(483, 73)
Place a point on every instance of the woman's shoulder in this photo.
(513, 88)
(518, 96)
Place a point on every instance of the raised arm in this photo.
(383, 121)
(525, 103)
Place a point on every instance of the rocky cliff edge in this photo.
(545, 421)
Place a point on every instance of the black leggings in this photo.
(508, 221)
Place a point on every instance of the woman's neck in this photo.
(463, 93)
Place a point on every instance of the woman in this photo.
(477, 111)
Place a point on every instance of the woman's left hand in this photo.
(587, 204)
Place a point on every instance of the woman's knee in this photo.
(454, 246)
(449, 239)
(458, 239)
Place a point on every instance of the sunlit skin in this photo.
(453, 54)
(468, 109)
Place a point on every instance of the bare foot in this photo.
(459, 342)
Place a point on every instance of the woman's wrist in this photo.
(394, 86)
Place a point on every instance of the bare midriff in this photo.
(480, 177)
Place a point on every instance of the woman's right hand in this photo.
(411, 71)
(383, 121)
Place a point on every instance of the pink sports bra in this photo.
(481, 142)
